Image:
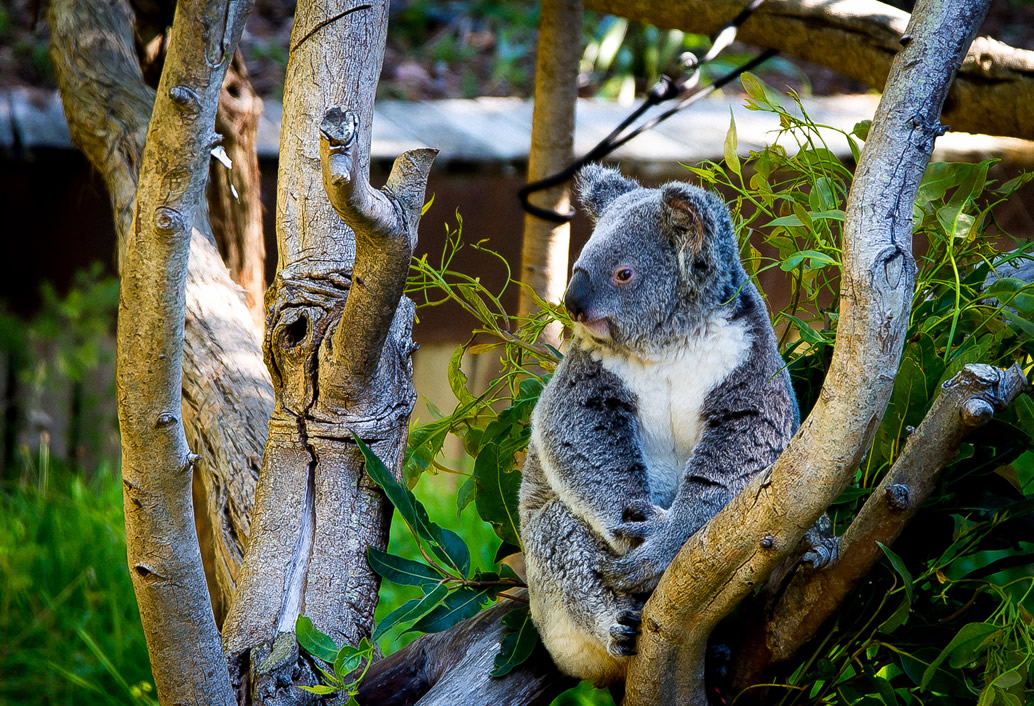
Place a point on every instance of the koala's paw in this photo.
(638, 571)
(639, 520)
(822, 549)
(623, 633)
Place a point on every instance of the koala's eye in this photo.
(622, 275)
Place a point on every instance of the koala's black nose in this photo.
(576, 297)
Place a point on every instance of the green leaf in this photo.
(967, 642)
(861, 129)
(398, 495)
(313, 641)
(885, 690)
(465, 494)
(319, 689)
(347, 661)
(731, 158)
(1013, 292)
(898, 618)
(405, 572)
(459, 605)
(498, 484)
(806, 332)
(444, 543)
(815, 259)
(449, 547)
(518, 643)
(899, 568)
(754, 88)
(411, 610)
(457, 378)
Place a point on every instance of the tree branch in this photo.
(385, 227)
(992, 93)
(235, 191)
(164, 558)
(809, 598)
(737, 549)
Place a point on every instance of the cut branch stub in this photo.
(385, 226)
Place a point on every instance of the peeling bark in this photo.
(738, 549)
(992, 93)
(807, 599)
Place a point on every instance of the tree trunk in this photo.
(157, 464)
(338, 347)
(227, 394)
(235, 192)
(546, 244)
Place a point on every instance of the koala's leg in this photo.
(588, 628)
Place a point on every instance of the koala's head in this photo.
(658, 263)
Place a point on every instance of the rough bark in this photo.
(992, 93)
(234, 193)
(226, 398)
(803, 603)
(737, 550)
(453, 667)
(338, 347)
(164, 558)
(546, 244)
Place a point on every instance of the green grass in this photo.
(71, 629)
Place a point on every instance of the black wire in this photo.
(666, 89)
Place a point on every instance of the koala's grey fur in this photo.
(671, 397)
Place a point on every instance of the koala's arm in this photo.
(585, 432)
(748, 420)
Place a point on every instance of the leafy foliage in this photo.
(966, 553)
(342, 672)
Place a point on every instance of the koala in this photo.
(671, 396)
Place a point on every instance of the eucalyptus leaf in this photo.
(459, 605)
(518, 643)
(313, 641)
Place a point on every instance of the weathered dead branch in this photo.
(453, 667)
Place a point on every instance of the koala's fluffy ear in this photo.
(598, 186)
(682, 216)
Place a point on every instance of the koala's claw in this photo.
(623, 634)
(824, 553)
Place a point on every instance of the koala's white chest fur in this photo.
(671, 388)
